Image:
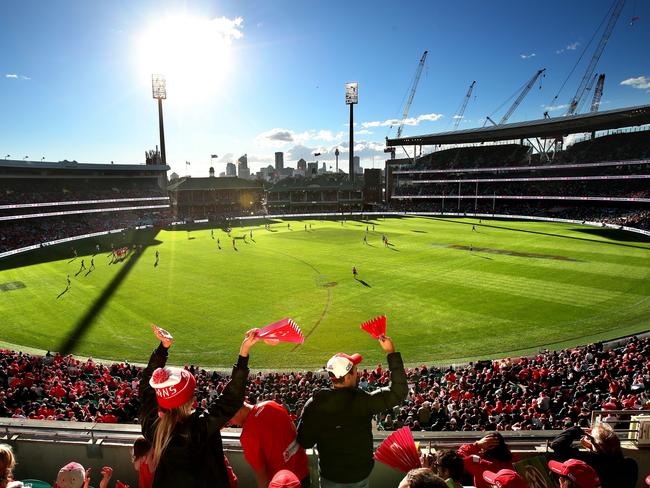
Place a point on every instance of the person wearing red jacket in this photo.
(268, 439)
(491, 453)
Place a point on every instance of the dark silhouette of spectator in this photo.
(339, 419)
(602, 452)
(186, 443)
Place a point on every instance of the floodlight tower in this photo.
(159, 92)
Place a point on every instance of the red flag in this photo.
(399, 451)
(285, 330)
(375, 327)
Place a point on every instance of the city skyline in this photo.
(256, 79)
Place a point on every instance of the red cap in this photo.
(284, 479)
(505, 478)
(174, 386)
(577, 471)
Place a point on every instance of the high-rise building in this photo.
(302, 164)
(312, 169)
(357, 165)
(231, 169)
(242, 167)
(279, 161)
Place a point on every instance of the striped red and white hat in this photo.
(174, 386)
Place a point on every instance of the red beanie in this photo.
(174, 386)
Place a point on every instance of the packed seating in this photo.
(551, 390)
(22, 233)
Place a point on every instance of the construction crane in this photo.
(414, 86)
(616, 12)
(460, 113)
(519, 99)
(598, 93)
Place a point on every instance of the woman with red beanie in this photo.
(186, 446)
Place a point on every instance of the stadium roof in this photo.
(74, 165)
(211, 183)
(543, 128)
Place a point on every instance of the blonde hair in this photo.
(164, 429)
(607, 442)
(7, 463)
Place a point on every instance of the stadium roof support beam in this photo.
(553, 128)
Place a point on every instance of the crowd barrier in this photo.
(522, 168)
(545, 178)
(42, 447)
(340, 215)
(85, 211)
(80, 202)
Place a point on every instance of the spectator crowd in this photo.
(552, 390)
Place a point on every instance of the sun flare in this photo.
(193, 53)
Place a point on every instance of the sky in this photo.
(259, 76)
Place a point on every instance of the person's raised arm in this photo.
(148, 402)
(385, 398)
(221, 409)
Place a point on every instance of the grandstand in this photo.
(604, 177)
(47, 201)
(202, 198)
(323, 193)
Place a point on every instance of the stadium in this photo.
(511, 261)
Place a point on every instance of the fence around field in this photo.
(13, 252)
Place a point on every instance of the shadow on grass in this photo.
(363, 283)
(86, 321)
(628, 236)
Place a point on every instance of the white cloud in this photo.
(11, 75)
(228, 29)
(640, 82)
(569, 47)
(408, 121)
(363, 132)
(25, 77)
(281, 137)
(457, 117)
(527, 56)
(554, 108)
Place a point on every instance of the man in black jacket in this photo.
(339, 419)
(602, 452)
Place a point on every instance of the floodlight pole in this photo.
(159, 92)
(161, 125)
(351, 98)
(352, 143)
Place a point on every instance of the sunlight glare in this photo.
(193, 53)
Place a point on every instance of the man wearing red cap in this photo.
(505, 478)
(575, 474)
(339, 419)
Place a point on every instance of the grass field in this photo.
(450, 293)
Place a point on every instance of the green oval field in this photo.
(450, 293)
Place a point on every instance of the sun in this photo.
(193, 53)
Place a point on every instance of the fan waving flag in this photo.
(375, 327)
(285, 330)
(399, 451)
